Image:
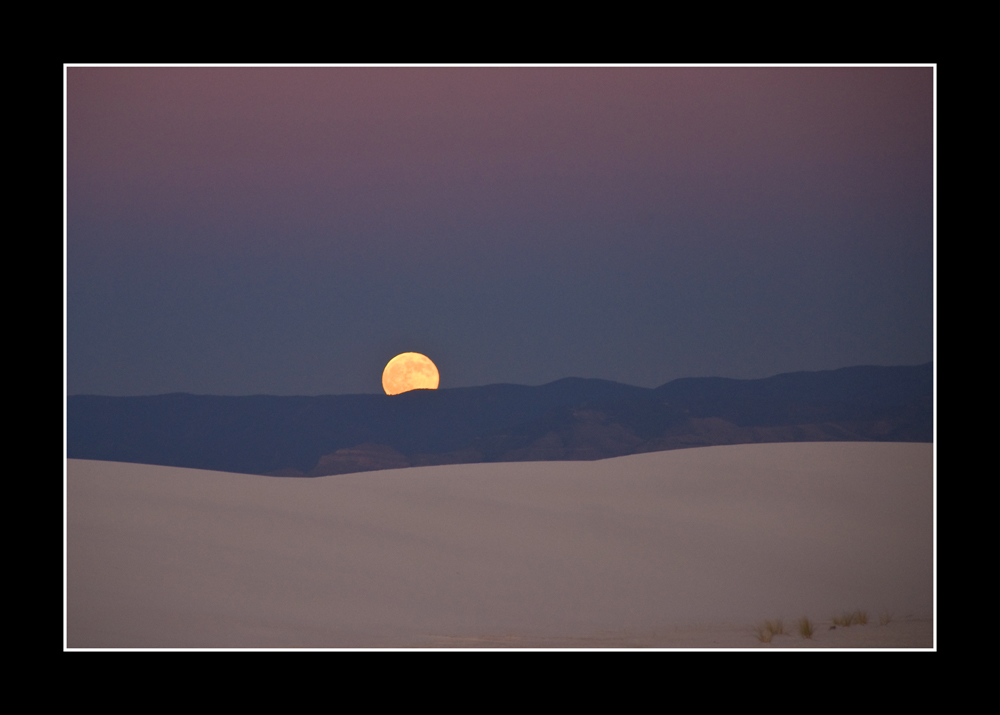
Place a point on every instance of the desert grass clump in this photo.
(847, 620)
(806, 627)
(763, 635)
(768, 629)
(884, 617)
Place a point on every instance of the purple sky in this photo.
(289, 230)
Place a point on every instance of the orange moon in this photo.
(409, 371)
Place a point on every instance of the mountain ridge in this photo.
(570, 418)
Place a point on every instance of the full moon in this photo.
(409, 371)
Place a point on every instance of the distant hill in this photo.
(569, 419)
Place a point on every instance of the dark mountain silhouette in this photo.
(568, 419)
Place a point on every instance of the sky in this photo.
(288, 230)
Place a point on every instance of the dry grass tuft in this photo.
(859, 618)
(763, 635)
(806, 627)
(768, 629)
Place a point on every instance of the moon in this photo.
(410, 371)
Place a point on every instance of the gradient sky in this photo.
(239, 231)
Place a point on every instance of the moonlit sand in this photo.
(688, 548)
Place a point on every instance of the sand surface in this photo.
(683, 549)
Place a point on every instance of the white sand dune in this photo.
(687, 548)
